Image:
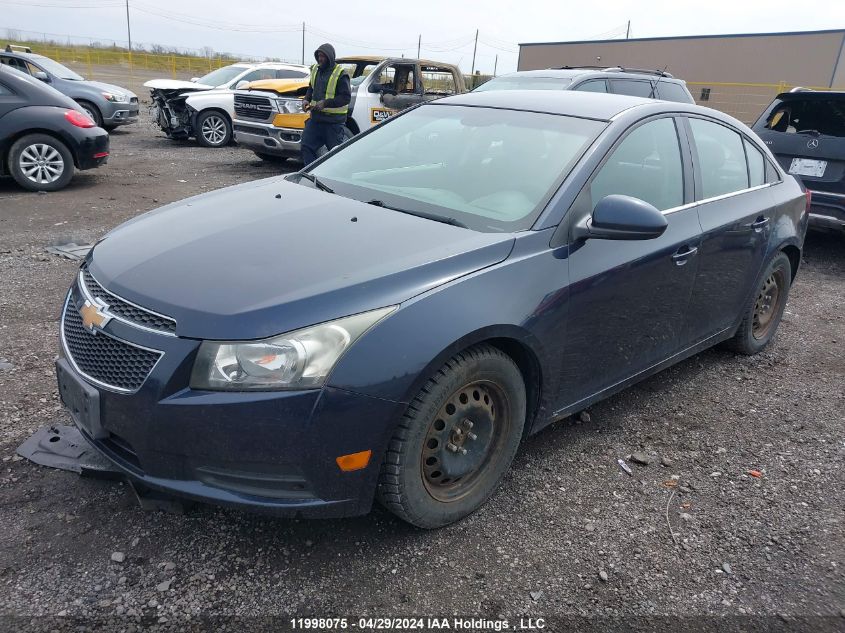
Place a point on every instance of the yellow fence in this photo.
(90, 57)
(745, 101)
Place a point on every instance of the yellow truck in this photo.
(268, 114)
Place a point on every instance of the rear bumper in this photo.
(827, 211)
(93, 150)
(268, 139)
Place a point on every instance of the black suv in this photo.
(634, 82)
(805, 130)
(44, 134)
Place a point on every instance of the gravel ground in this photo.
(568, 534)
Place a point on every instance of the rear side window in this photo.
(794, 116)
(595, 85)
(756, 165)
(646, 165)
(290, 74)
(438, 81)
(721, 158)
(669, 91)
(632, 88)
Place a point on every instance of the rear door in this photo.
(806, 133)
(735, 208)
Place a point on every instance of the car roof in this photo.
(570, 73)
(803, 95)
(587, 105)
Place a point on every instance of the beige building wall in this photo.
(738, 74)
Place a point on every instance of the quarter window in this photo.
(756, 165)
(721, 158)
(669, 91)
(646, 165)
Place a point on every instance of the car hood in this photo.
(281, 86)
(175, 84)
(268, 257)
(111, 88)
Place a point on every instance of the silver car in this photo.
(108, 105)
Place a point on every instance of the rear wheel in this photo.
(213, 129)
(456, 440)
(765, 311)
(92, 111)
(39, 162)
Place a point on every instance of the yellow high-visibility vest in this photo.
(331, 88)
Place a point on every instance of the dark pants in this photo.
(317, 134)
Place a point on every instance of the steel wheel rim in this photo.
(214, 130)
(767, 305)
(466, 435)
(41, 163)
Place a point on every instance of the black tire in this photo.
(422, 480)
(92, 111)
(214, 129)
(271, 158)
(109, 128)
(765, 310)
(27, 172)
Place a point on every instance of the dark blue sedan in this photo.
(391, 322)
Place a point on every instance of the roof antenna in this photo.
(654, 87)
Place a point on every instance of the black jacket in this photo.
(343, 92)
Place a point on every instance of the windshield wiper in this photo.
(420, 214)
(317, 182)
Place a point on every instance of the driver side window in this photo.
(646, 165)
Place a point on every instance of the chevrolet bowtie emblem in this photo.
(94, 316)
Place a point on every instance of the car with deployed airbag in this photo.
(393, 320)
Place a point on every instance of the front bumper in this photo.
(827, 211)
(115, 114)
(269, 451)
(265, 138)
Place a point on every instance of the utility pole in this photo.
(473, 50)
(419, 43)
(128, 30)
(495, 65)
(303, 43)
(628, 31)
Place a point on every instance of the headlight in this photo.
(296, 360)
(289, 106)
(116, 97)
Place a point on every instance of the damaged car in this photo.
(392, 321)
(203, 108)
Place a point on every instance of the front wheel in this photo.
(39, 162)
(92, 111)
(456, 440)
(764, 313)
(213, 129)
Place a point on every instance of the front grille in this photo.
(126, 311)
(250, 107)
(248, 129)
(107, 360)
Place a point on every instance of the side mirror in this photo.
(241, 84)
(40, 74)
(618, 217)
(375, 88)
(195, 79)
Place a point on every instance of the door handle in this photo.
(759, 223)
(683, 254)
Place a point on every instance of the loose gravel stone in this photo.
(118, 557)
(643, 459)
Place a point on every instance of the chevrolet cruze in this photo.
(392, 321)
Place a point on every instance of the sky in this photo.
(272, 28)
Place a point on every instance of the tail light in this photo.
(79, 119)
(809, 196)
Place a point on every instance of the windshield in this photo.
(221, 75)
(56, 69)
(525, 82)
(490, 169)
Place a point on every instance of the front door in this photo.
(629, 299)
(736, 221)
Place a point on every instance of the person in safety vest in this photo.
(327, 98)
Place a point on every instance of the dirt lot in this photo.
(568, 534)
